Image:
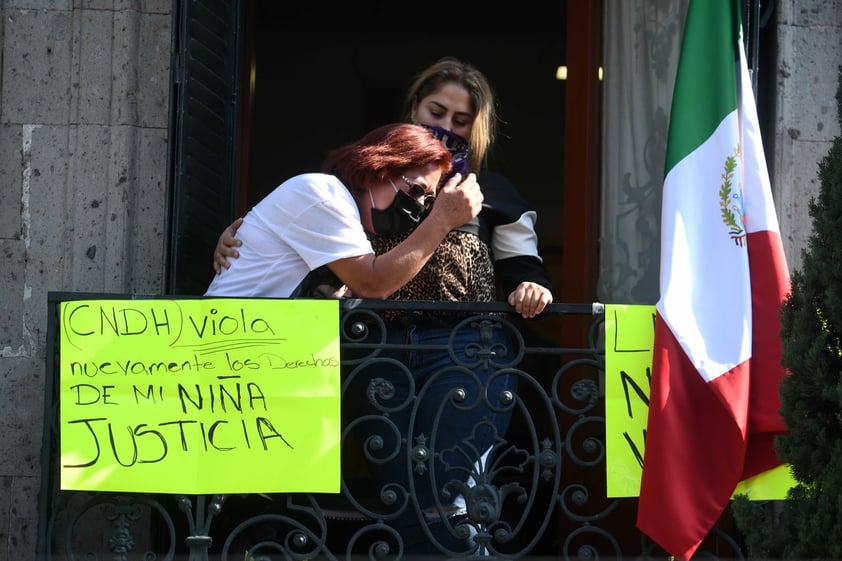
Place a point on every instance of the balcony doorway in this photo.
(320, 75)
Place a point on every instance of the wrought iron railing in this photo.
(509, 394)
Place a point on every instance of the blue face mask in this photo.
(458, 147)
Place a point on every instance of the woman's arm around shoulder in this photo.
(226, 246)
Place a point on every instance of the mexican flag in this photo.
(713, 411)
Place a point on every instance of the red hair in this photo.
(387, 151)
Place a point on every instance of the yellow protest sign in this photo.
(200, 396)
(629, 335)
(629, 341)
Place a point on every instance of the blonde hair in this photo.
(452, 70)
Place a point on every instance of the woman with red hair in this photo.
(316, 220)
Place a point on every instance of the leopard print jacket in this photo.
(460, 270)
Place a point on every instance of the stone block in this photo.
(147, 6)
(5, 505)
(38, 4)
(48, 203)
(11, 175)
(807, 97)
(793, 190)
(12, 286)
(155, 49)
(23, 516)
(150, 211)
(810, 12)
(141, 91)
(93, 67)
(36, 66)
(22, 422)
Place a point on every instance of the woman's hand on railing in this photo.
(529, 299)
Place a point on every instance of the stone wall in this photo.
(84, 114)
(809, 45)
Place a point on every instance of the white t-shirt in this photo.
(306, 222)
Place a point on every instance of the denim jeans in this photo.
(431, 454)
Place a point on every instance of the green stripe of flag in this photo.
(705, 85)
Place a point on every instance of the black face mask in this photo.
(401, 216)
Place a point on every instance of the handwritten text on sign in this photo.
(629, 341)
(200, 396)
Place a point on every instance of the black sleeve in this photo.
(514, 270)
(502, 199)
(507, 225)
